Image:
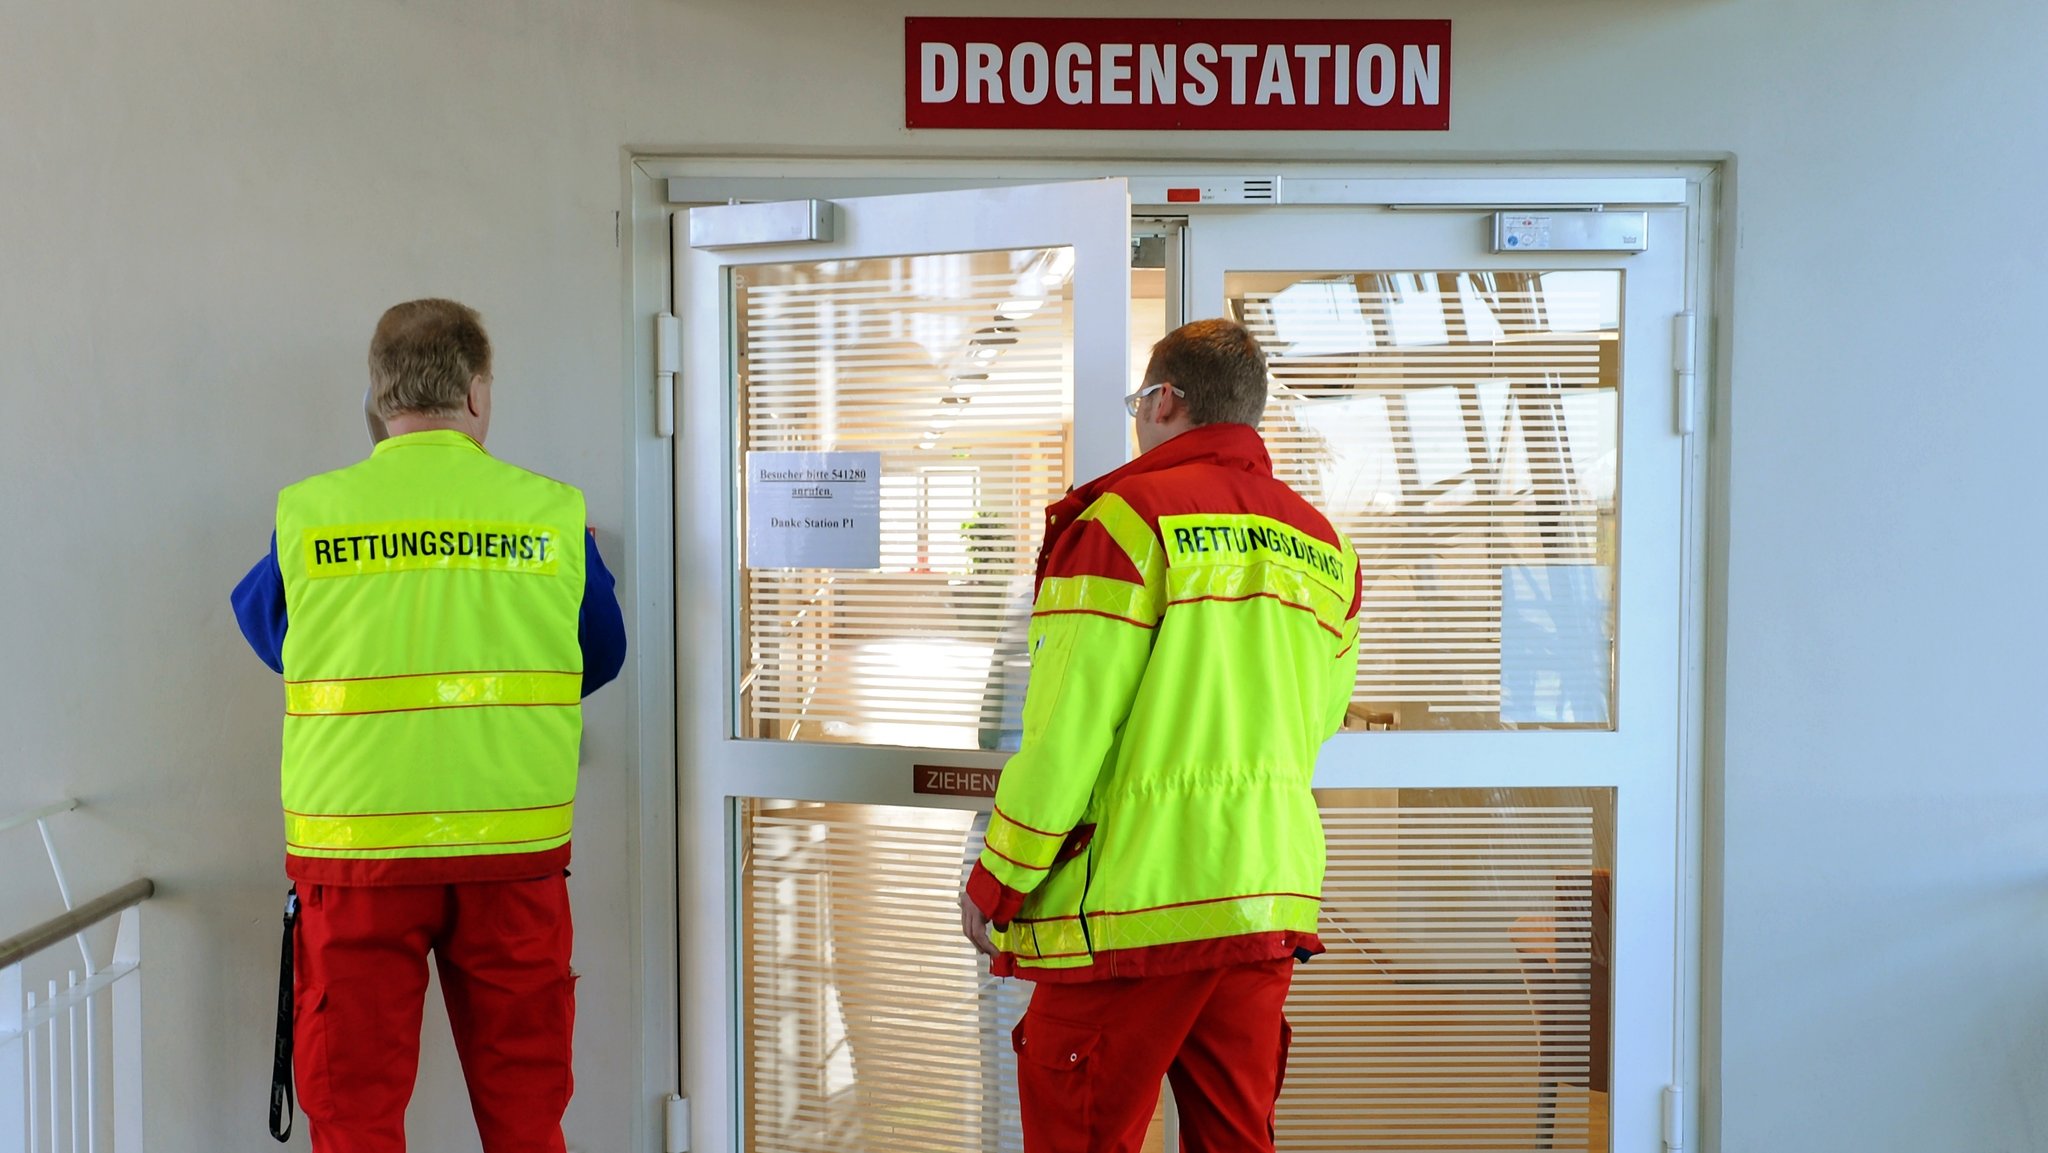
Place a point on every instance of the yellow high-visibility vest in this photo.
(433, 675)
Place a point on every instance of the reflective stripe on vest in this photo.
(403, 694)
(1062, 942)
(397, 834)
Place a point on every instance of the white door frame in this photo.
(1093, 218)
(649, 543)
(1635, 755)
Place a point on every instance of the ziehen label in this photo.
(1317, 75)
(953, 781)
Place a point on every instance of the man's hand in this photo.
(974, 927)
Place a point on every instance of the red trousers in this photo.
(1090, 1056)
(502, 948)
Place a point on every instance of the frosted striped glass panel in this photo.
(1463, 428)
(1463, 1003)
(958, 370)
(870, 1025)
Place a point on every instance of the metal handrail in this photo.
(70, 924)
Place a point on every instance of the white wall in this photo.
(206, 209)
(206, 206)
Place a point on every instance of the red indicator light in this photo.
(1183, 196)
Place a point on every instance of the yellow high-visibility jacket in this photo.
(432, 670)
(1193, 643)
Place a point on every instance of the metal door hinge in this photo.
(676, 1124)
(1685, 364)
(668, 359)
(1674, 1118)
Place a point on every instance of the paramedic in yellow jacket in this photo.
(1155, 859)
(438, 616)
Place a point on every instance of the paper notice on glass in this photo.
(814, 510)
(1556, 637)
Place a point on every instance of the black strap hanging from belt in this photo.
(281, 1055)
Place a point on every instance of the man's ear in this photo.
(1167, 406)
(378, 433)
(476, 386)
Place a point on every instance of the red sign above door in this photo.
(1268, 75)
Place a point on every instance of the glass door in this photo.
(1496, 433)
(869, 428)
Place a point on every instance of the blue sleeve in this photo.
(600, 627)
(259, 609)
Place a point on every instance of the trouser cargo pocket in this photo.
(1055, 1083)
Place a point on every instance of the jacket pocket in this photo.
(1056, 1082)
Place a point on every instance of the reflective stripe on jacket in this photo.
(432, 670)
(1193, 644)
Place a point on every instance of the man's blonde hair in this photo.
(423, 356)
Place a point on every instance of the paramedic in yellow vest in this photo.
(1154, 860)
(438, 616)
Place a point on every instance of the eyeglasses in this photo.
(1137, 398)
